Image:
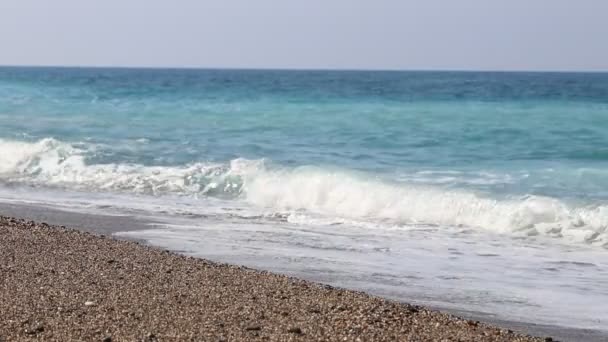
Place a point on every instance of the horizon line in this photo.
(299, 69)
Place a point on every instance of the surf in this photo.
(331, 192)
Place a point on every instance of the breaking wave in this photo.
(335, 193)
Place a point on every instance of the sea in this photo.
(482, 192)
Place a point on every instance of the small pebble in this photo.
(295, 330)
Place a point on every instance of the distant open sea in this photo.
(478, 191)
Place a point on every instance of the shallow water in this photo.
(478, 191)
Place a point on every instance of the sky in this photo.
(567, 35)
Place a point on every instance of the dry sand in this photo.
(64, 285)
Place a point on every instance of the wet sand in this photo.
(62, 284)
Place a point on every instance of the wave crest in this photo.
(340, 194)
(334, 193)
(53, 163)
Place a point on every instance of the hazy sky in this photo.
(352, 34)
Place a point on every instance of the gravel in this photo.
(58, 284)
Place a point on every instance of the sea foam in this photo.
(335, 193)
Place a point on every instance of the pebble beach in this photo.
(60, 284)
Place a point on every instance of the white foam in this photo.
(335, 194)
(18, 157)
(54, 163)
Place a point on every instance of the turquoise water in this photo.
(511, 168)
(509, 137)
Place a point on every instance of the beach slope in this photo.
(61, 284)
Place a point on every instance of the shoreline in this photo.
(65, 284)
(89, 223)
